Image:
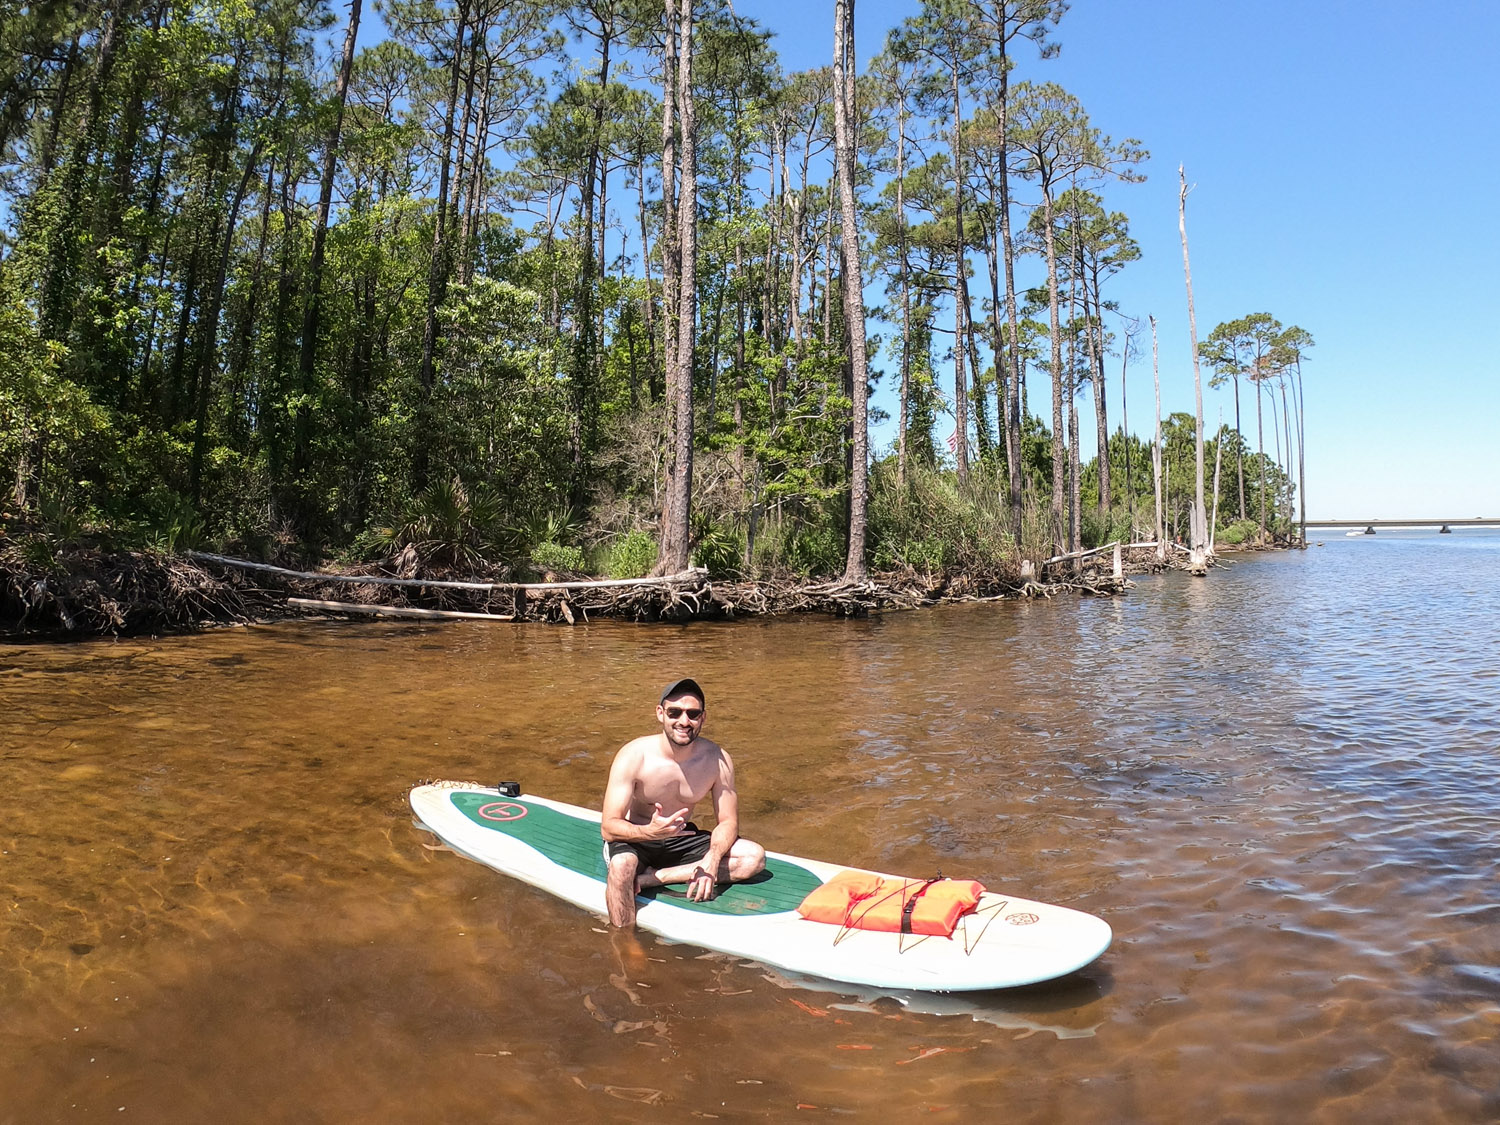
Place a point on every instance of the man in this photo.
(653, 785)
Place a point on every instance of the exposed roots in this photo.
(93, 593)
(687, 597)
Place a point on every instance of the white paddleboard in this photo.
(1007, 941)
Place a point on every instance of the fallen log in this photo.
(393, 610)
(1082, 554)
(692, 574)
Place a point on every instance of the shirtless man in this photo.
(653, 785)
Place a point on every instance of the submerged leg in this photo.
(620, 889)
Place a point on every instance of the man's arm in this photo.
(619, 794)
(726, 831)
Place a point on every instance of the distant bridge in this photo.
(1370, 526)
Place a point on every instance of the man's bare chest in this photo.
(676, 785)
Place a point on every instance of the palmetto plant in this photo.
(451, 524)
(560, 525)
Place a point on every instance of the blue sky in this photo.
(1345, 158)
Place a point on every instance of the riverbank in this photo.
(89, 591)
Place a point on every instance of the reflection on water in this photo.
(1278, 785)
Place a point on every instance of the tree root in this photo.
(91, 592)
(97, 593)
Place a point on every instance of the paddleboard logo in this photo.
(1022, 918)
(502, 811)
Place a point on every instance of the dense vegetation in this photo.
(541, 282)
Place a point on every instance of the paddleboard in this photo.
(1006, 942)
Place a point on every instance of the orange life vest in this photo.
(862, 900)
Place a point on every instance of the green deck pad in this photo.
(575, 843)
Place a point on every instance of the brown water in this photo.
(1280, 786)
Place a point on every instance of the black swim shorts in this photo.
(688, 846)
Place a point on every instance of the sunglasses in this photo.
(679, 712)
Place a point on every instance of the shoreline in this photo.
(89, 594)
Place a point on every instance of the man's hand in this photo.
(663, 826)
(701, 885)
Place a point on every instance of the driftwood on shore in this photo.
(690, 575)
(391, 610)
(686, 596)
(91, 593)
(94, 593)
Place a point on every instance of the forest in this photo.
(589, 288)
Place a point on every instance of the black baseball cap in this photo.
(678, 687)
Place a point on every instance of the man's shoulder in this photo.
(640, 747)
(708, 749)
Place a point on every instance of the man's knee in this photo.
(623, 866)
(748, 858)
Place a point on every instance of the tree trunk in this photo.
(585, 376)
(1101, 411)
(905, 266)
(307, 359)
(437, 272)
(671, 258)
(676, 513)
(469, 229)
(1075, 532)
(648, 312)
(1161, 531)
(209, 332)
(239, 360)
(1286, 421)
(1301, 449)
(997, 347)
(960, 294)
(1012, 313)
(1239, 444)
(1198, 530)
(853, 287)
(1125, 430)
(1260, 446)
(1059, 468)
(1213, 523)
(979, 395)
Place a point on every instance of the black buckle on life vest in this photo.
(911, 903)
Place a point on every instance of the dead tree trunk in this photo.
(1161, 531)
(1198, 530)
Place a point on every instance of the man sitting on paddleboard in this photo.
(653, 785)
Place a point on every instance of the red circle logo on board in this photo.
(502, 810)
(1022, 919)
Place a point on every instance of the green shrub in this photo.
(1237, 532)
(814, 551)
(718, 550)
(62, 521)
(169, 523)
(560, 525)
(1114, 526)
(555, 556)
(632, 556)
(39, 553)
(934, 523)
(925, 554)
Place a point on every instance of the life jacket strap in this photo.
(911, 903)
